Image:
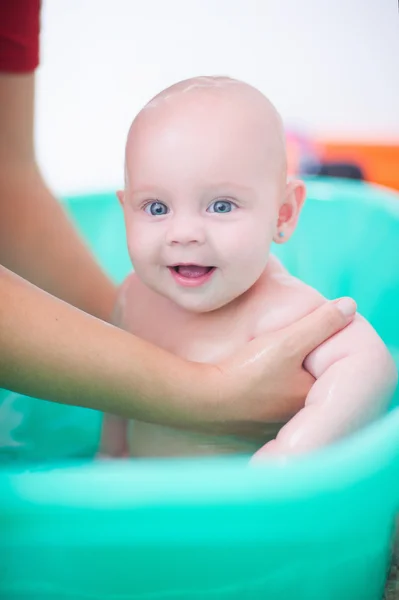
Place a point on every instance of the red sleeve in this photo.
(19, 35)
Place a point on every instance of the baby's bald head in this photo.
(206, 185)
(224, 106)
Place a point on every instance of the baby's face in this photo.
(201, 200)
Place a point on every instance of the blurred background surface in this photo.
(331, 68)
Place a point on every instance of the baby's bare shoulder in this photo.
(283, 299)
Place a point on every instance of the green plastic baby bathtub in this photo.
(316, 528)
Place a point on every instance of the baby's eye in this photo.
(156, 209)
(221, 206)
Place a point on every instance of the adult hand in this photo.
(266, 382)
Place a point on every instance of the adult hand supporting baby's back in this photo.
(267, 382)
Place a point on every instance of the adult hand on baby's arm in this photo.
(268, 381)
(355, 381)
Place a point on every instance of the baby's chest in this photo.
(198, 338)
(209, 349)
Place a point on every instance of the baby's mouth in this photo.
(191, 271)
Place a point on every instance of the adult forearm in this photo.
(53, 351)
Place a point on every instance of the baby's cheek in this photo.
(250, 257)
(254, 238)
(140, 246)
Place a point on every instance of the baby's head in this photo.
(206, 191)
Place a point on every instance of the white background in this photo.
(329, 65)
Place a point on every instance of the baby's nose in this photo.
(184, 231)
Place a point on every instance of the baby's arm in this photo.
(355, 381)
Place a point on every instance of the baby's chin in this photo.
(200, 307)
(199, 303)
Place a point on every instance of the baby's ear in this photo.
(288, 214)
(121, 196)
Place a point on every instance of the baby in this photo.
(205, 195)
